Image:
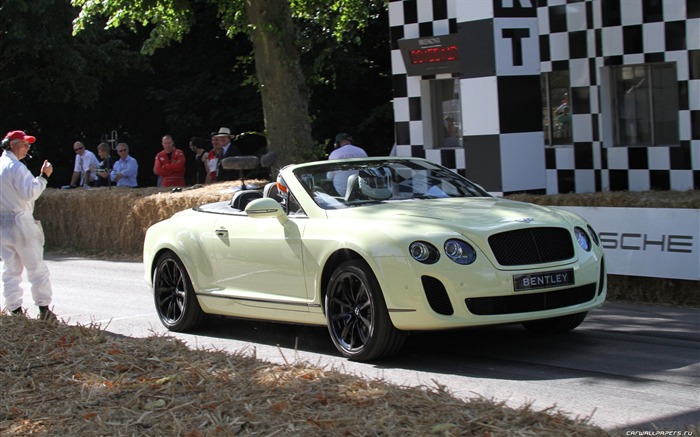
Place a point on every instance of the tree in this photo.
(270, 27)
(50, 82)
(350, 80)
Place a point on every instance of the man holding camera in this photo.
(21, 237)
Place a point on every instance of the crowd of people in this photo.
(170, 165)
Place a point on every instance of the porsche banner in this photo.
(659, 243)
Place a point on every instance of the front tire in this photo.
(556, 325)
(176, 303)
(358, 320)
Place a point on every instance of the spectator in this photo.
(170, 164)
(223, 138)
(21, 237)
(85, 165)
(212, 160)
(563, 124)
(201, 159)
(126, 168)
(451, 139)
(105, 165)
(344, 148)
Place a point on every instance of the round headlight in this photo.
(594, 236)
(424, 252)
(460, 252)
(582, 239)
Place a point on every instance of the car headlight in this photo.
(424, 252)
(582, 239)
(594, 236)
(460, 252)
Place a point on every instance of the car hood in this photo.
(474, 213)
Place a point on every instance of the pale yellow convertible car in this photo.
(375, 248)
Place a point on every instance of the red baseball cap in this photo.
(19, 135)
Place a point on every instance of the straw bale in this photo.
(618, 199)
(113, 221)
(58, 379)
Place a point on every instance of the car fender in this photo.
(385, 251)
(187, 243)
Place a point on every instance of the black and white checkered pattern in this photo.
(504, 148)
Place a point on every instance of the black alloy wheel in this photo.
(358, 320)
(176, 303)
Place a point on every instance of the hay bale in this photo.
(617, 199)
(112, 222)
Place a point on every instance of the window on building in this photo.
(644, 104)
(556, 108)
(445, 113)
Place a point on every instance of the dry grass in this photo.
(80, 380)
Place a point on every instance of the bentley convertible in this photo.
(375, 248)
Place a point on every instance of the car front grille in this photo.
(527, 303)
(532, 246)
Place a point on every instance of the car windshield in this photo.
(343, 184)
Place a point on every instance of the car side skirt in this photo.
(262, 309)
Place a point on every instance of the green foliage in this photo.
(170, 19)
(37, 48)
(80, 87)
(337, 18)
(350, 79)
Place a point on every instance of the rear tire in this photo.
(358, 320)
(176, 303)
(556, 325)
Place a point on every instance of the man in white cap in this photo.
(223, 138)
(21, 237)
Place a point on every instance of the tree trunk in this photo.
(285, 97)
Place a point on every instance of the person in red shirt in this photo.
(170, 164)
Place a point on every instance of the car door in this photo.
(259, 261)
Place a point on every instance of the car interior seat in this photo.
(272, 192)
(241, 198)
(353, 187)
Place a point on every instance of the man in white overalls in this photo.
(21, 237)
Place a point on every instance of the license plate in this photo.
(534, 281)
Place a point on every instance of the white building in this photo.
(551, 96)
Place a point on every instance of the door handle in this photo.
(221, 232)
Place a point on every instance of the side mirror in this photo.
(266, 207)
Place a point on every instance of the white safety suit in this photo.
(21, 237)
